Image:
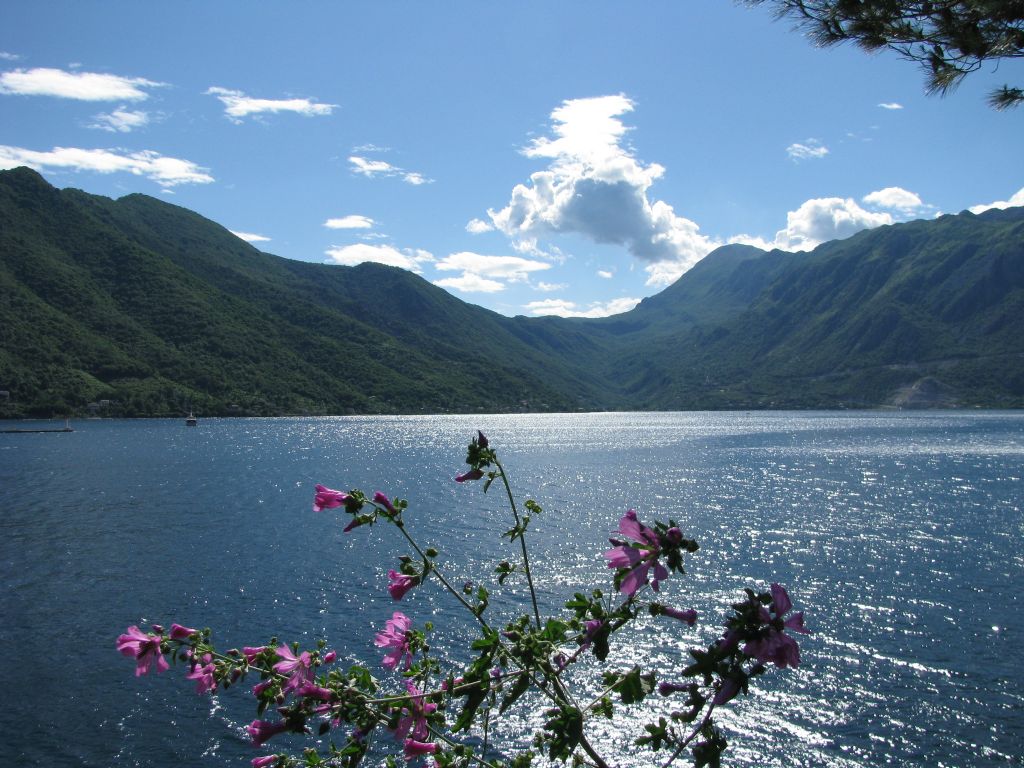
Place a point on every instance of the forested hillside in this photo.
(144, 308)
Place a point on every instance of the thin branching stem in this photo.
(679, 750)
(522, 541)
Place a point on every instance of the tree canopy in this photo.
(948, 38)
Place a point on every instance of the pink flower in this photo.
(329, 657)
(262, 730)
(667, 689)
(259, 688)
(311, 691)
(394, 637)
(264, 762)
(327, 498)
(727, 691)
(179, 632)
(413, 722)
(251, 653)
(399, 584)
(144, 648)
(414, 749)
(383, 500)
(473, 474)
(775, 645)
(203, 674)
(481, 439)
(638, 557)
(590, 630)
(689, 616)
(297, 666)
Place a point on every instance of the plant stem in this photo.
(433, 569)
(522, 541)
(691, 737)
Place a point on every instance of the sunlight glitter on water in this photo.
(898, 535)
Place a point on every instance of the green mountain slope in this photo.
(159, 310)
(866, 321)
(156, 310)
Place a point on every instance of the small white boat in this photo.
(190, 420)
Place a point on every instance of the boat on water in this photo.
(190, 420)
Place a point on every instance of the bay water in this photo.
(899, 534)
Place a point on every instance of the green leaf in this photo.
(521, 686)
(474, 698)
(635, 687)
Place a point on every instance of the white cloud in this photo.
(370, 148)
(165, 171)
(895, 198)
(373, 168)
(483, 274)
(512, 268)
(565, 308)
(85, 86)
(358, 253)
(606, 274)
(890, 105)
(238, 105)
(812, 149)
(551, 287)
(121, 120)
(5, 56)
(249, 237)
(353, 221)
(595, 187)
(818, 221)
(478, 226)
(470, 283)
(1016, 200)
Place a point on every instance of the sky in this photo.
(530, 157)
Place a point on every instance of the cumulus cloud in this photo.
(511, 268)
(85, 86)
(478, 226)
(121, 120)
(470, 283)
(165, 171)
(595, 187)
(566, 308)
(606, 274)
(811, 150)
(1016, 200)
(550, 287)
(353, 221)
(373, 168)
(890, 105)
(238, 105)
(895, 198)
(818, 221)
(358, 253)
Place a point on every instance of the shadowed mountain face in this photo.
(145, 308)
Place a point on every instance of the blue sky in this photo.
(530, 157)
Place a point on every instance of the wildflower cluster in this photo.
(443, 715)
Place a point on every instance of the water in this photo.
(899, 535)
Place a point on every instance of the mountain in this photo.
(145, 308)
(923, 313)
